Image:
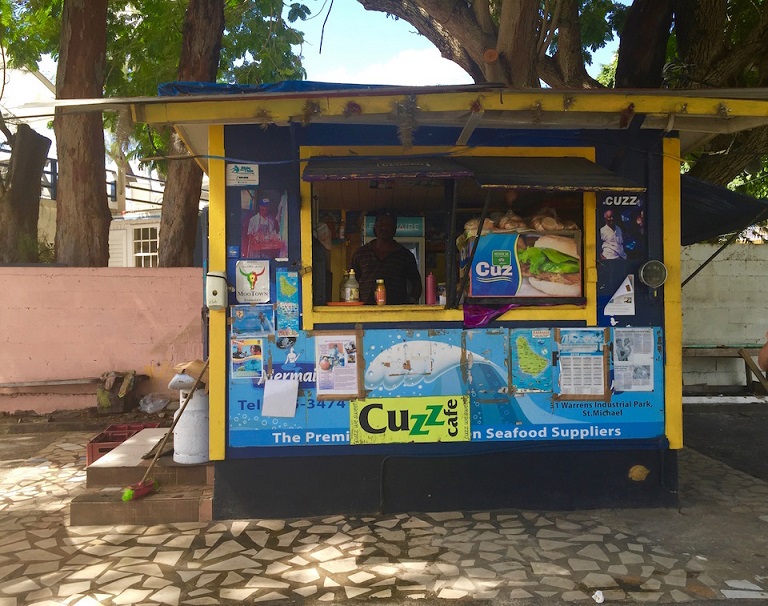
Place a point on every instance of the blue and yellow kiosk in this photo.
(547, 372)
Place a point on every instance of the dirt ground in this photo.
(86, 419)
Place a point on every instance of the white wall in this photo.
(121, 239)
(724, 304)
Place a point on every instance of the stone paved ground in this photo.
(714, 548)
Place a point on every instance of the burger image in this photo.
(552, 265)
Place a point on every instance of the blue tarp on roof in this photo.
(172, 89)
(709, 211)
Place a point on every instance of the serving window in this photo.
(445, 208)
(344, 214)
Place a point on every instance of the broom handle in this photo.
(173, 425)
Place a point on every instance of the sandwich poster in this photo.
(527, 265)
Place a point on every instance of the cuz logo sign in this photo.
(402, 420)
(495, 269)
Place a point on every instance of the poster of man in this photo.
(623, 229)
(264, 223)
(611, 237)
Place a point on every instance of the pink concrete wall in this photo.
(72, 323)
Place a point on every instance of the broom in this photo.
(147, 484)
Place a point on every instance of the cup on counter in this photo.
(441, 298)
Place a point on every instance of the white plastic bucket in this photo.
(190, 436)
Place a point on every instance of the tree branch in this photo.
(546, 34)
(451, 26)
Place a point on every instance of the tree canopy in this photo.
(144, 44)
(663, 44)
(523, 43)
(143, 49)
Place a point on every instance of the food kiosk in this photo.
(548, 374)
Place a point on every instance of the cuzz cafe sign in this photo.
(404, 420)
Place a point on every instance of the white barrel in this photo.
(190, 436)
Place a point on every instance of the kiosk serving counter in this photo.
(549, 373)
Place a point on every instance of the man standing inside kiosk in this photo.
(387, 260)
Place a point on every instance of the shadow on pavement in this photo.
(734, 434)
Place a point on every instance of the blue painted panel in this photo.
(508, 375)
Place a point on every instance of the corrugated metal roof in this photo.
(541, 173)
(546, 174)
(415, 167)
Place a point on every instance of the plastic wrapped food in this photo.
(511, 221)
(471, 226)
(545, 222)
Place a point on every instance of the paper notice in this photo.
(622, 302)
(280, 398)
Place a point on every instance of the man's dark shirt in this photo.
(398, 270)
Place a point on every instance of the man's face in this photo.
(385, 227)
(263, 210)
(608, 218)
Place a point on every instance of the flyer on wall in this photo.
(264, 220)
(252, 320)
(252, 282)
(633, 359)
(247, 358)
(582, 363)
(336, 363)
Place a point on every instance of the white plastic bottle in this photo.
(343, 287)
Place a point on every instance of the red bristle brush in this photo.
(147, 485)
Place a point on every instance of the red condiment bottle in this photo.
(430, 291)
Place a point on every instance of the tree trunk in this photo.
(643, 47)
(199, 61)
(517, 44)
(722, 168)
(20, 196)
(699, 28)
(178, 224)
(82, 210)
(570, 56)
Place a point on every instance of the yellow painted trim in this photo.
(434, 313)
(217, 326)
(673, 311)
(456, 151)
(329, 315)
(305, 214)
(255, 108)
(589, 254)
(181, 133)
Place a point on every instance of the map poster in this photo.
(531, 354)
(287, 303)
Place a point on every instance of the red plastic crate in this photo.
(111, 438)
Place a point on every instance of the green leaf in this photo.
(548, 260)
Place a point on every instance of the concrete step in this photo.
(105, 507)
(124, 465)
(183, 493)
